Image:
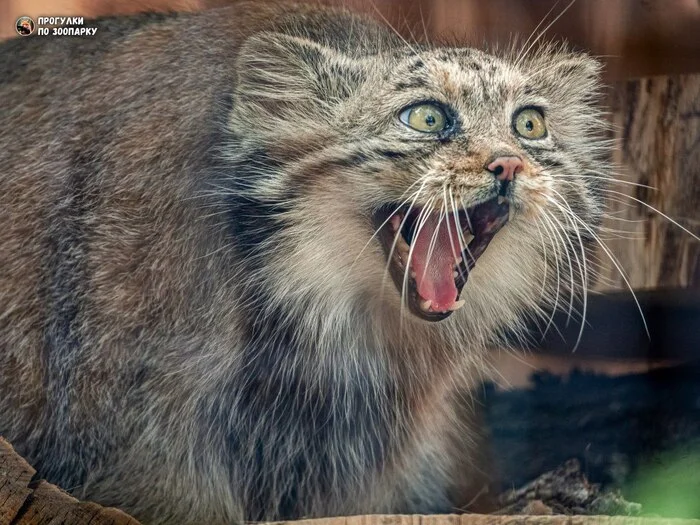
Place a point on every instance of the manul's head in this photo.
(436, 182)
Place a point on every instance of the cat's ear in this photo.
(574, 75)
(282, 76)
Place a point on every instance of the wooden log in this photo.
(15, 475)
(24, 502)
(657, 128)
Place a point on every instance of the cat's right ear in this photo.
(568, 76)
(284, 77)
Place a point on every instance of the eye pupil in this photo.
(430, 120)
(529, 125)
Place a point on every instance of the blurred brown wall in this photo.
(634, 37)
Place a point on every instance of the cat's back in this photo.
(84, 118)
(48, 83)
(103, 141)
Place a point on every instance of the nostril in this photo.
(505, 168)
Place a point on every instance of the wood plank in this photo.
(483, 519)
(23, 502)
(657, 128)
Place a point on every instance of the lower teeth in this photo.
(426, 304)
(457, 305)
(404, 249)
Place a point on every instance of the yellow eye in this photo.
(529, 123)
(427, 118)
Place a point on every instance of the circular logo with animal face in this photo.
(24, 26)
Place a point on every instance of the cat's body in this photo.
(194, 320)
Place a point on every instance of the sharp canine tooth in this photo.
(458, 260)
(425, 305)
(413, 274)
(457, 305)
(395, 221)
(402, 245)
(455, 275)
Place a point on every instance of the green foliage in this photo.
(669, 485)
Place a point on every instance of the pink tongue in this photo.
(434, 277)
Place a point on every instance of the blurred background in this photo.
(634, 37)
(626, 403)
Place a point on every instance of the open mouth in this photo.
(431, 255)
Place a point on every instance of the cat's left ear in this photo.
(287, 77)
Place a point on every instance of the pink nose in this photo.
(505, 168)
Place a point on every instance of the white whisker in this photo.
(527, 50)
(615, 262)
(383, 224)
(649, 206)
